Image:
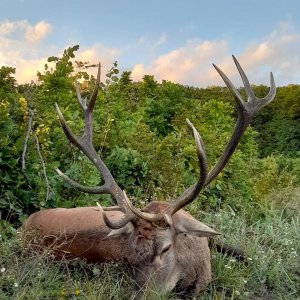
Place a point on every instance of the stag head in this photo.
(152, 231)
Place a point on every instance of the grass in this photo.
(272, 269)
(272, 248)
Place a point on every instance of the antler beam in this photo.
(166, 217)
(84, 143)
(246, 111)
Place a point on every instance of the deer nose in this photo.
(157, 262)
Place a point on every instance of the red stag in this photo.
(161, 241)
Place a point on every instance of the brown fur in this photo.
(77, 232)
(193, 259)
(166, 255)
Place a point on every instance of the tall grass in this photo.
(271, 268)
(271, 242)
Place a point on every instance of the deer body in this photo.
(82, 233)
(162, 242)
(76, 232)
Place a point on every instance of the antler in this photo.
(166, 217)
(84, 143)
(246, 111)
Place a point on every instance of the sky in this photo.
(173, 40)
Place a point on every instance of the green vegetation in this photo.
(140, 131)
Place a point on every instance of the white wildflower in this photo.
(227, 267)
(2, 270)
(96, 271)
(16, 285)
(288, 242)
(294, 254)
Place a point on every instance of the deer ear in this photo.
(185, 223)
(116, 233)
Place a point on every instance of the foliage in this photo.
(140, 132)
(7, 80)
(279, 124)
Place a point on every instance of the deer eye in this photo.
(166, 249)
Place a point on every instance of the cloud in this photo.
(21, 48)
(37, 32)
(26, 70)
(162, 39)
(23, 30)
(191, 64)
(98, 52)
(278, 52)
(26, 47)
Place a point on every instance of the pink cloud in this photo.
(191, 64)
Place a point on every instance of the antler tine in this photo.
(68, 132)
(85, 145)
(87, 149)
(251, 97)
(91, 153)
(95, 91)
(92, 101)
(88, 117)
(147, 216)
(272, 92)
(229, 84)
(246, 82)
(117, 224)
(189, 195)
(128, 217)
(82, 101)
(246, 111)
(131, 213)
(86, 189)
